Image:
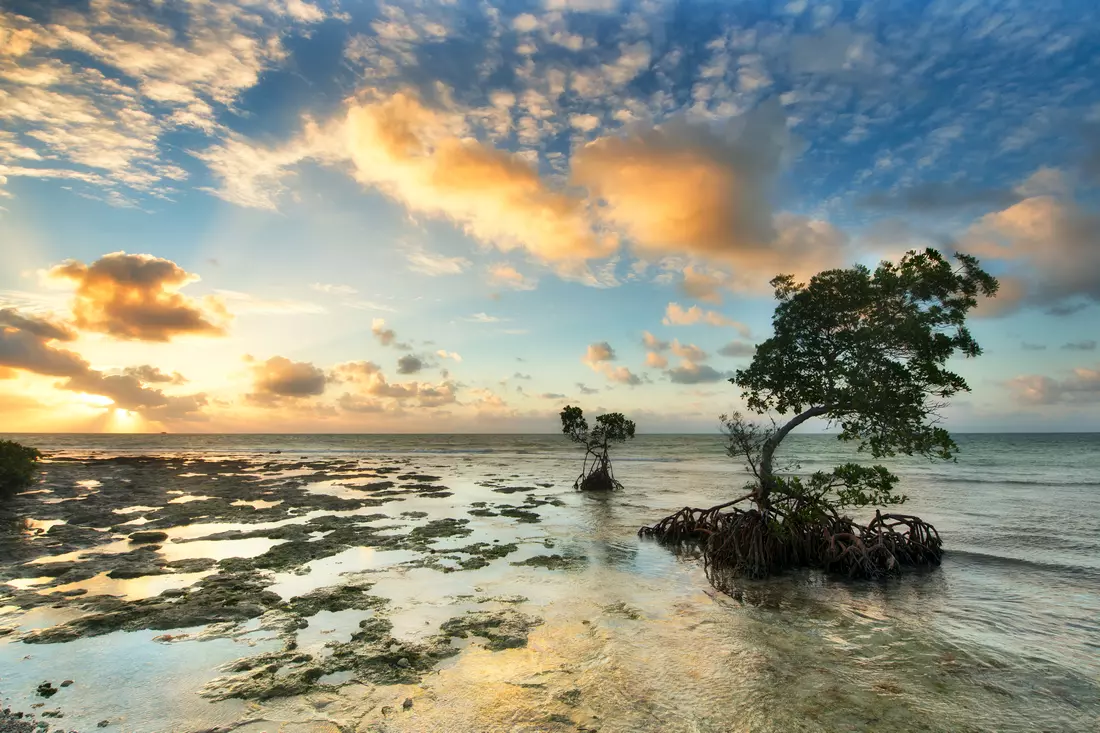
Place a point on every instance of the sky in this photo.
(310, 216)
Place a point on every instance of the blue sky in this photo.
(251, 196)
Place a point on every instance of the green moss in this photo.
(555, 562)
(437, 529)
(521, 515)
(216, 598)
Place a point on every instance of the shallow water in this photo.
(1004, 636)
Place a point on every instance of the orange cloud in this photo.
(506, 276)
(417, 156)
(372, 386)
(688, 352)
(26, 345)
(688, 189)
(677, 315)
(135, 297)
(279, 377)
(1052, 240)
(599, 356)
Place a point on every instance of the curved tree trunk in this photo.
(767, 478)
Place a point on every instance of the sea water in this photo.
(1004, 636)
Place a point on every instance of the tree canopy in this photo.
(866, 351)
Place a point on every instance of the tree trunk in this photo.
(767, 478)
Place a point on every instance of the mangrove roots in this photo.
(738, 543)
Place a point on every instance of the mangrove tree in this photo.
(866, 351)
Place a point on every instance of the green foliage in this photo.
(610, 428)
(574, 425)
(848, 486)
(17, 466)
(868, 350)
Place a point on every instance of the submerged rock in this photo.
(148, 536)
(505, 629)
(555, 562)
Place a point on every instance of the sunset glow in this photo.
(459, 218)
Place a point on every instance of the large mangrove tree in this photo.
(865, 351)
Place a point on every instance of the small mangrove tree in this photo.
(865, 351)
(596, 473)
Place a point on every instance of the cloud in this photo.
(1088, 345)
(355, 371)
(333, 289)
(95, 87)
(153, 375)
(582, 6)
(129, 393)
(836, 49)
(598, 352)
(409, 364)
(686, 188)
(935, 196)
(372, 383)
(244, 303)
(653, 343)
(676, 315)
(505, 276)
(279, 377)
(654, 360)
(1012, 293)
(689, 352)
(25, 345)
(358, 403)
(586, 390)
(702, 285)
(487, 400)
(419, 157)
(444, 354)
(369, 305)
(689, 373)
(551, 396)
(135, 297)
(599, 356)
(1033, 347)
(1051, 241)
(485, 318)
(435, 265)
(1082, 387)
(385, 336)
(40, 327)
(738, 348)
(30, 351)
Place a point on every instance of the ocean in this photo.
(624, 635)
